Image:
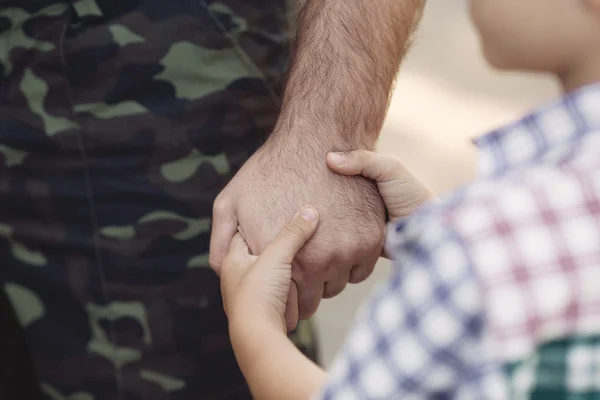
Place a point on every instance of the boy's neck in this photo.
(577, 77)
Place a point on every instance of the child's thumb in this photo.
(376, 166)
(291, 238)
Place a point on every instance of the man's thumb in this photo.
(292, 237)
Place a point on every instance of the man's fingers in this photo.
(238, 247)
(291, 238)
(237, 262)
(291, 308)
(362, 271)
(309, 297)
(336, 285)
(377, 166)
(224, 228)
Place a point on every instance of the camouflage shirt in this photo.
(120, 122)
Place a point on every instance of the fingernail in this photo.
(337, 158)
(308, 214)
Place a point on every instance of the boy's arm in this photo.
(273, 367)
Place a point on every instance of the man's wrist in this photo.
(318, 138)
(347, 54)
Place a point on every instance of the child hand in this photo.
(402, 192)
(257, 288)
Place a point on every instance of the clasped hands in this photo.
(288, 233)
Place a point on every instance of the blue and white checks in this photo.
(495, 278)
(423, 332)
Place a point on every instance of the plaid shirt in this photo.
(496, 290)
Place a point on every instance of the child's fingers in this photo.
(235, 264)
(380, 167)
(291, 238)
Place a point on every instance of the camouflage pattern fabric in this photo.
(17, 375)
(120, 121)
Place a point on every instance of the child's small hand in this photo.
(258, 288)
(402, 192)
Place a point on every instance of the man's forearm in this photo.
(346, 57)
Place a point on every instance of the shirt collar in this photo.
(527, 140)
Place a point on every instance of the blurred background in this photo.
(445, 96)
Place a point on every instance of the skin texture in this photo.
(336, 97)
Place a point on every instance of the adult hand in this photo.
(275, 182)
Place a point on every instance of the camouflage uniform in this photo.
(17, 375)
(120, 121)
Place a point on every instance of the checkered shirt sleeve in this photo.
(421, 336)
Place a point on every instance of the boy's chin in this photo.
(503, 63)
(517, 63)
(495, 59)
